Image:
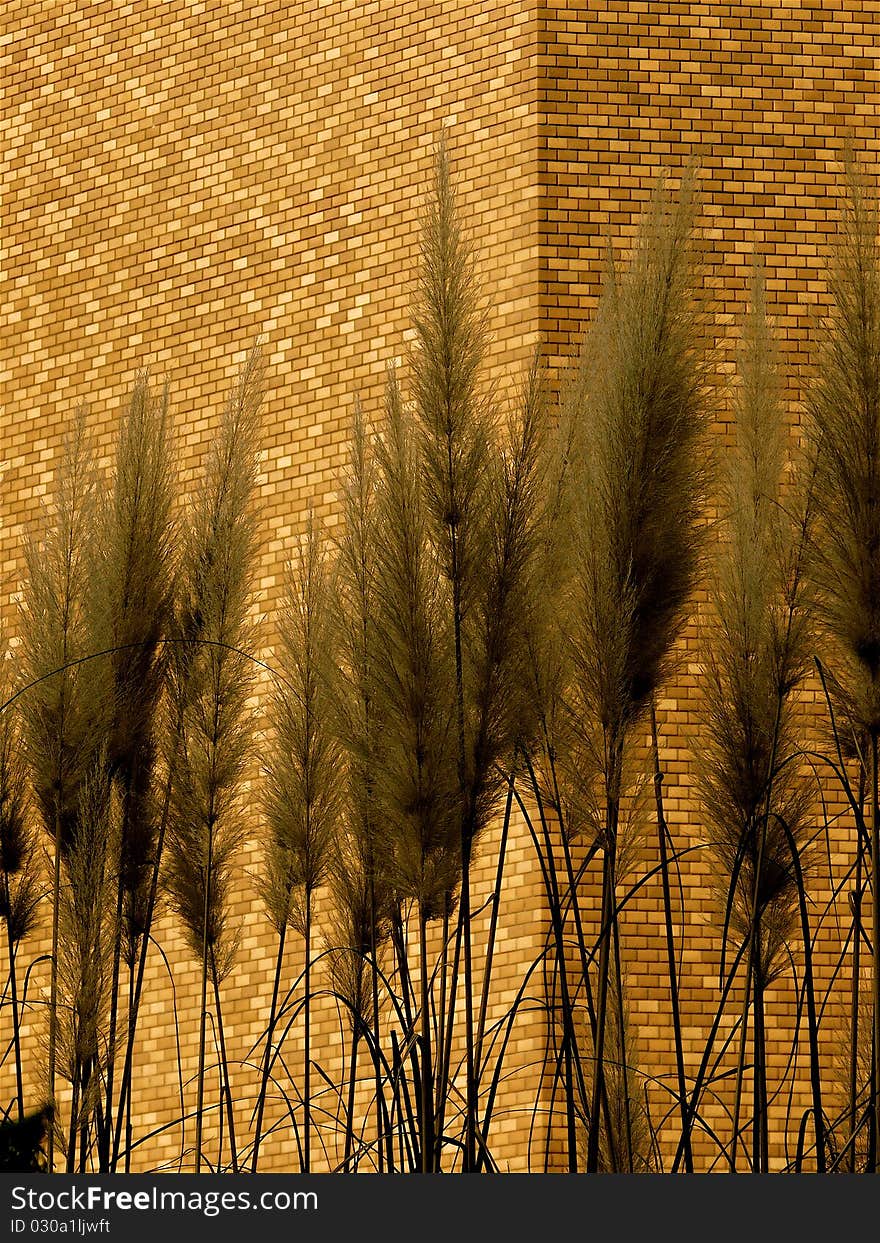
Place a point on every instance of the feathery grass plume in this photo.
(353, 685)
(843, 426)
(302, 786)
(60, 713)
(303, 790)
(418, 793)
(417, 789)
(455, 419)
(641, 475)
(19, 865)
(131, 602)
(85, 947)
(355, 584)
(500, 709)
(483, 498)
(456, 424)
(210, 682)
(135, 573)
(642, 460)
(63, 701)
(414, 681)
(757, 653)
(358, 929)
(549, 651)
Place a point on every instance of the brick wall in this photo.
(762, 97)
(180, 178)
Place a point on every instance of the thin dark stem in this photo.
(84, 1120)
(568, 1037)
(741, 1062)
(573, 904)
(700, 1080)
(854, 1005)
(469, 1155)
(106, 1128)
(407, 1130)
(759, 1082)
(493, 930)
(267, 1056)
(675, 1000)
(443, 1070)
(622, 1052)
(307, 1034)
(609, 918)
(13, 990)
(381, 1127)
(813, 1019)
(224, 1067)
(875, 935)
(203, 1009)
(53, 987)
(352, 1087)
(439, 1084)
(547, 867)
(599, 1047)
(427, 1120)
(74, 1120)
(128, 1127)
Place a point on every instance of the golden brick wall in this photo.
(762, 98)
(181, 177)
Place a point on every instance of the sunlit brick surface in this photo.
(180, 178)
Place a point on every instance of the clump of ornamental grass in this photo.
(639, 479)
(303, 790)
(131, 602)
(20, 876)
(843, 425)
(757, 653)
(63, 692)
(209, 686)
(547, 631)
